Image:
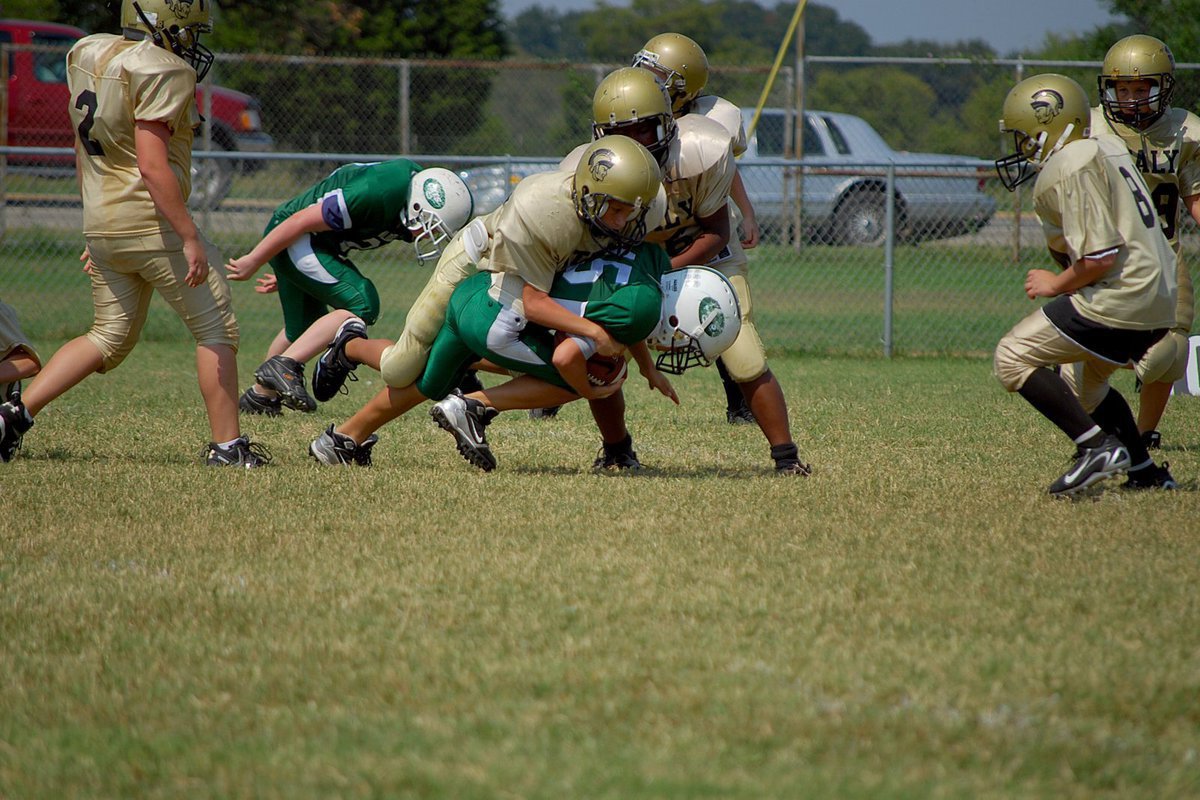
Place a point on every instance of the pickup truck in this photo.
(844, 182)
(36, 99)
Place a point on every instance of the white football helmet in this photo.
(439, 203)
(700, 319)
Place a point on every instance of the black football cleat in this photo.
(333, 367)
(286, 376)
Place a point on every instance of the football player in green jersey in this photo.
(1136, 84)
(133, 106)
(308, 241)
(1115, 296)
(618, 291)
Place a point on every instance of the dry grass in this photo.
(916, 620)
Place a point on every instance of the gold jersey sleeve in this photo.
(725, 114)
(536, 232)
(697, 178)
(114, 83)
(1091, 199)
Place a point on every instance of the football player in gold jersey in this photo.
(133, 106)
(681, 66)
(698, 170)
(1115, 296)
(1136, 83)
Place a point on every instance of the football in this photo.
(605, 370)
(601, 370)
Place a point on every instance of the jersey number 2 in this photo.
(87, 100)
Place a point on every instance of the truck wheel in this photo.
(211, 180)
(862, 220)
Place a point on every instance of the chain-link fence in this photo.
(884, 227)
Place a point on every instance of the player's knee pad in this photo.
(746, 359)
(1166, 361)
(1009, 368)
(115, 340)
(402, 363)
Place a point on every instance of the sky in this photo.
(1007, 25)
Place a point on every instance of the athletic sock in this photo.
(785, 452)
(734, 399)
(1054, 400)
(621, 447)
(1115, 417)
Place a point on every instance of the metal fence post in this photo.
(405, 76)
(889, 260)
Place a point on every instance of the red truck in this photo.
(35, 95)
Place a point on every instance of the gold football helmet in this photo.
(616, 168)
(1137, 57)
(173, 24)
(1043, 113)
(679, 64)
(632, 103)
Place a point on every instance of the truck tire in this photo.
(212, 179)
(861, 219)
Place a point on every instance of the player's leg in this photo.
(746, 361)
(208, 314)
(120, 300)
(737, 410)
(616, 452)
(18, 359)
(1021, 365)
(1163, 364)
(403, 362)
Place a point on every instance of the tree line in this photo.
(355, 109)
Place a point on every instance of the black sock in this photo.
(623, 446)
(1053, 398)
(785, 452)
(1115, 417)
(734, 399)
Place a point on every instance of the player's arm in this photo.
(1192, 204)
(85, 257)
(714, 235)
(737, 193)
(650, 371)
(309, 219)
(1060, 258)
(151, 141)
(1084, 272)
(572, 366)
(540, 308)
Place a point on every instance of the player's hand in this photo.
(266, 284)
(197, 258)
(1040, 283)
(660, 383)
(750, 233)
(240, 269)
(606, 345)
(89, 268)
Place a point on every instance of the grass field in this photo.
(917, 619)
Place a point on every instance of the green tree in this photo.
(1176, 22)
(904, 120)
